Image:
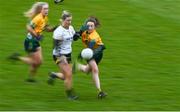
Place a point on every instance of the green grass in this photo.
(139, 71)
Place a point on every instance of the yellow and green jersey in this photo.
(38, 23)
(91, 38)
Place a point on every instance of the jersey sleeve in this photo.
(72, 30)
(58, 34)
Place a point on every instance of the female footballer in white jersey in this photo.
(63, 37)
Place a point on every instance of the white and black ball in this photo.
(87, 53)
(58, 1)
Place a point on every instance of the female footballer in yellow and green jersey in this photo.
(92, 40)
(38, 23)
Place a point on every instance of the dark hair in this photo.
(94, 20)
(65, 14)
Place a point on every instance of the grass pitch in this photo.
(139, 71)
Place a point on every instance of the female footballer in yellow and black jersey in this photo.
(91, 39)
(38, 24)
(38, 16)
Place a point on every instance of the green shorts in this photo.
(98, 57)
(98, 54)
(31, 45)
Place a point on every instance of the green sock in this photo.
(70, 92)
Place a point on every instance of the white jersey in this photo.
(65, 38)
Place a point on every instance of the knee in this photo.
(37, 62)
(95, 70)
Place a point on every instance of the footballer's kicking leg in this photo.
(80, 67)
(83, 68)
(95, 76)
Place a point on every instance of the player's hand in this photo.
(55, 27)
(76, 36)
(40, 37)
(91, 44)
(83, 28)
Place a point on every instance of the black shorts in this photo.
(31, 45)
(58, 59)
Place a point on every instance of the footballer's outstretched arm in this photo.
(49, 28)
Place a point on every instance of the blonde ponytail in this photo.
(35, 9)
